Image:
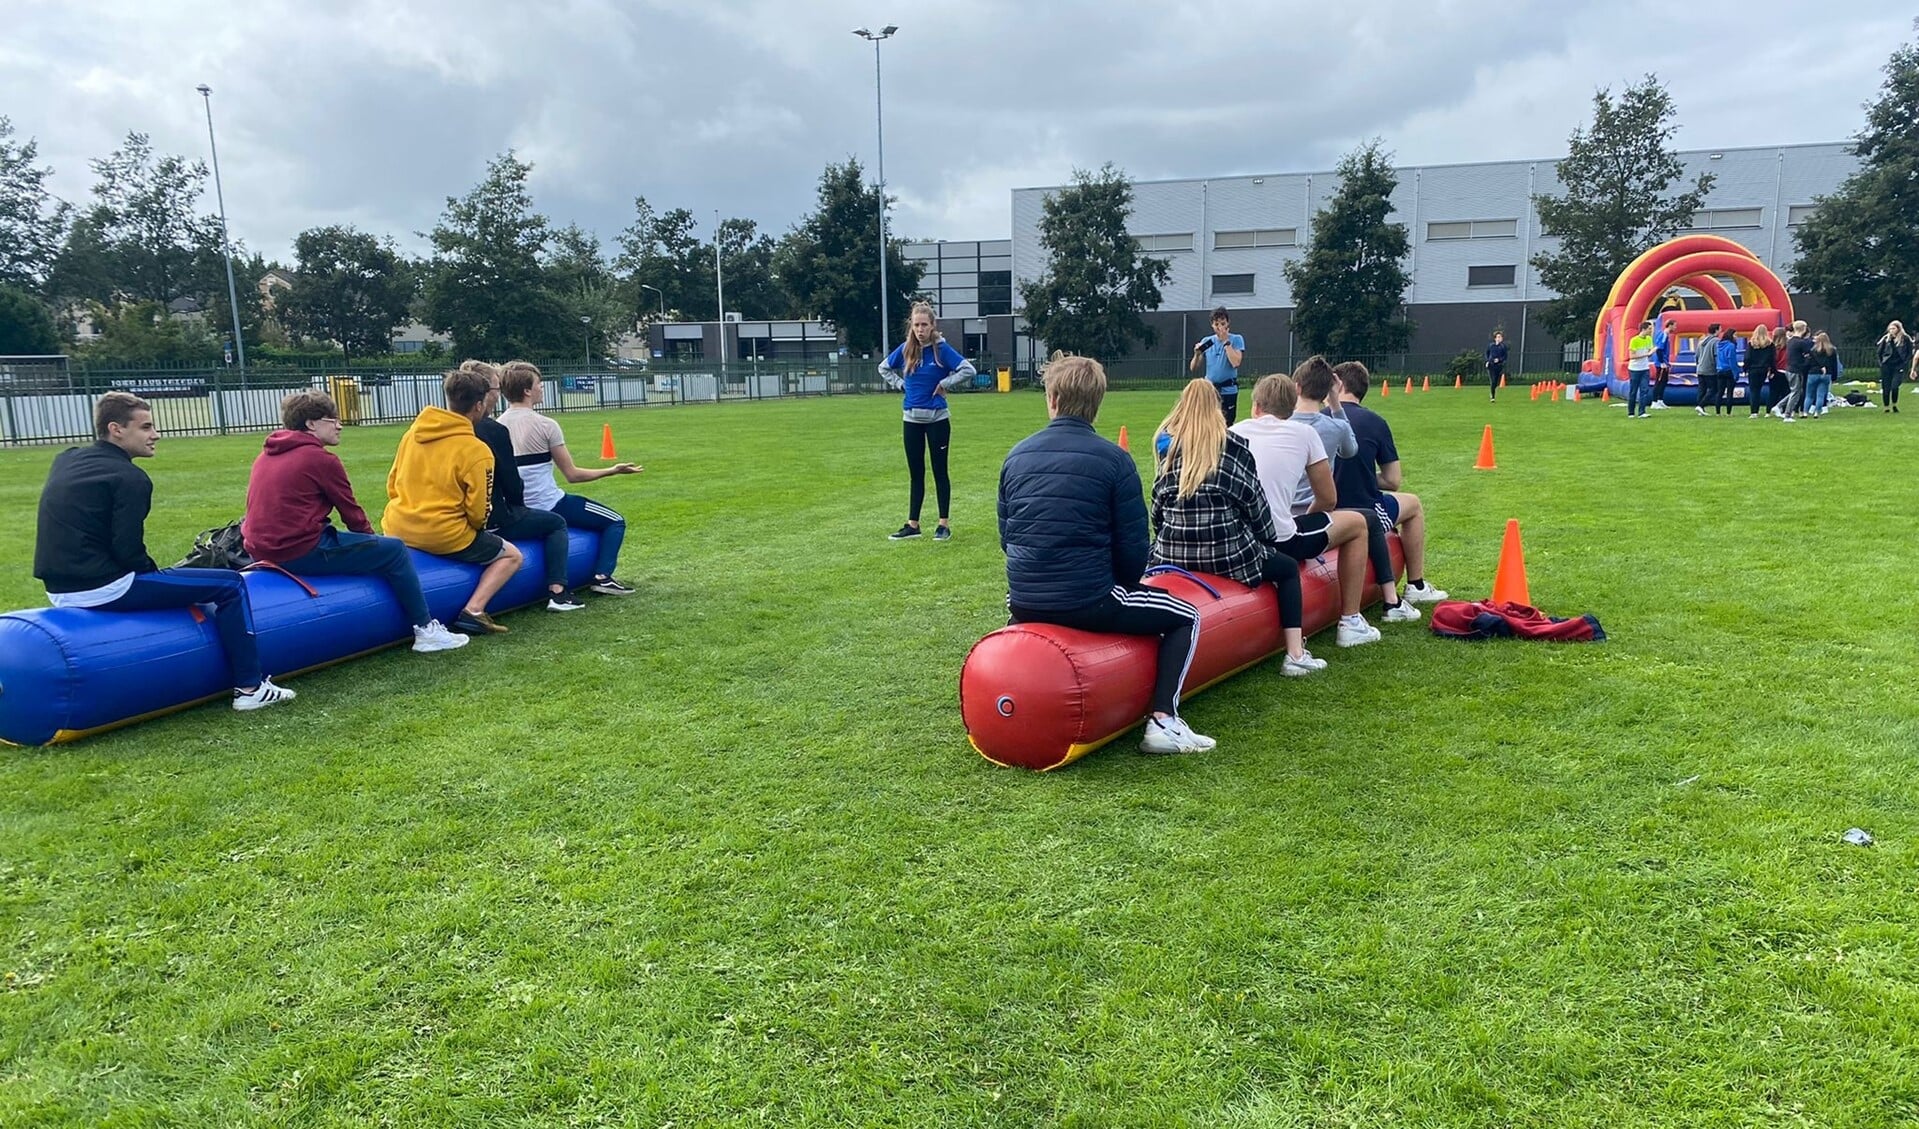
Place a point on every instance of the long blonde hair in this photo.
(1895, 332)
(1198, 431)
(1761, 337)
(910, 352)
(1821, 343)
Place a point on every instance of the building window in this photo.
(995, 292)
(1179, 241)
(1799, 214)
(1472, 229)
(1491, 276)
(1232, 284)
(1713, 219)
(1259, 237)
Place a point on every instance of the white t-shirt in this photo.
(1282, 450)
(535, 438)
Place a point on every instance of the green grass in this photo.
(718, 854)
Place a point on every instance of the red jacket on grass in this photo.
(295, 486)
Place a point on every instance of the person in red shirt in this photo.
(295, 487)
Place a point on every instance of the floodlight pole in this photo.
(879, 117)
(226, 243)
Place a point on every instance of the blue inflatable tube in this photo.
(68, 673)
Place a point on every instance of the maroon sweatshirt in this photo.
(296, 485)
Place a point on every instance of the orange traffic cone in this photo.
(1605, 394)
(1535, 393)
(1509, 583)
(1425, 384)
(1575, 396)
(1485, 461)
(1385, 388)
(1459, 382)
(1122, 438)
(1502, 382)
(1409, 386)
(606, 441)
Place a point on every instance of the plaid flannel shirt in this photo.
(1225, 528)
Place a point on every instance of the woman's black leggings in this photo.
(1889, 387)
(1282, 572)
(919, 436)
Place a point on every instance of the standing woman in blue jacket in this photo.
(1726, 351)
(924, 367)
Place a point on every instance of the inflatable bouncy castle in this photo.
(1662, 284)
(1038, 696)
(68, 673)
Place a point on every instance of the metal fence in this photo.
(53, 405)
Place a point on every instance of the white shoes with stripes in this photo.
(1172, 735)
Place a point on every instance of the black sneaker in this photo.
(607, 586)
(943, 533)
(564, 602)
(477, 623)
(903, 533)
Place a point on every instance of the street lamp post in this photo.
(586, 331)
(879, 117)
(662, 294)
(226, 243)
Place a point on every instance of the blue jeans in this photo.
(1638, 392)
(191, 587)
(585, 513)
(365, 554)
(1818, 391)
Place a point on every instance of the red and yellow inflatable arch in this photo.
(1694, 263)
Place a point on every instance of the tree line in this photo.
(501, 279)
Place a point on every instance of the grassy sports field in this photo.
(718, 853)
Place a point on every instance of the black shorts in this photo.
(485, 549)
(1311, 539)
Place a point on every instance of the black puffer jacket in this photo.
(1072, 518)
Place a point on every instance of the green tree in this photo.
(578, 272)
(349, 287)
(31, 220)
(829, 263)
(1619, 202)
(83, 270)
(1860, 248)
(210, 285)
(486, 285)
(753, 288)
(26, 327)
(144, 214)
(661, 250)
(137, 333)
(1097, 283)
(1348, 290)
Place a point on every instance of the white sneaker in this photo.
(1170, 735)
(1701, 411)
(435, 637)
(1199, 742)
(1423, 593)
(1787, 419)
(1356, 632)
(261, 696)
(1302, 666)
(1402, 612)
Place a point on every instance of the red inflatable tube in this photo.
(1038, 696)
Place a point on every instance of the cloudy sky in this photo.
(372, 112)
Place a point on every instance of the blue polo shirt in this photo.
(1221, 373)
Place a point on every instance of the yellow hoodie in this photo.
(441, 486)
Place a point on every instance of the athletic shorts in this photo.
(486, 549)
(1387, 511)
(1311, 539)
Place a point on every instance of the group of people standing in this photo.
(462, 486)
(1788, 372)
